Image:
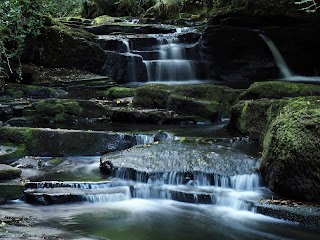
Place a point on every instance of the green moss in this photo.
(11, 173)
(205, 101)
(188, 106)
(60, 117)
(152, 96)
(120, 92)
(10, 191)
(276, 89)
(103, 20)
(55, 107)
(291, 156)
(56, 161)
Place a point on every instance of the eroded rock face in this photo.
(291, 156)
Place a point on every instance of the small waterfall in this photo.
(132, 64)
(119, 194)
(284, 69)
(172, 64)
(143, 139)
(245, 182)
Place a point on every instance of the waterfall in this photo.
(172, 64)
(143, 139)
(284, 69)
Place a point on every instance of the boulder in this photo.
(64, 47)
(291, 156)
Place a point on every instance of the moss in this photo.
(55, 107)
(103, 20)
(277, 89)
(152, 96)
(206, 101)
(291, 156)
(188, 106)
(56, 161)
(11, 173)
(10, 191)
(120, 92)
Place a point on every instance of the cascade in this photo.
(172, 64)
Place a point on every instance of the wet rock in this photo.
(48, 142)
(124, 67)
(160, 136)
(306, 216)
(106, 167)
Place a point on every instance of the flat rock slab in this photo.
(308, 216)
(62, 142)
(179, 156)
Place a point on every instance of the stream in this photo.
(160, 206)
(201, 182)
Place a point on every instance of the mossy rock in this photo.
(11, 191)
(254, 117)
(61, 142)
(188, 106)
(69, 110)
(120, 92)
(65, 47)
(291, 157)
(7, 172)
(277, 89)
(152, 96)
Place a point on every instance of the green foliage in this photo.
(19, 19)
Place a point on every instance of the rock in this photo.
(120, 92)
(106, 29)
(69, 48)
(11, 191)
(106, 167)
(160, 136)
(276, 89)
(304, 215)
(254, 117)
(48, 142)
(8, 172)
(206, 101)
(124, 67)
(291, 156)
(244, 56)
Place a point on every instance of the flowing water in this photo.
(287, 74)
(186, 187)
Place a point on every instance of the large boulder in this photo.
(291, 156)
(60, 46)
